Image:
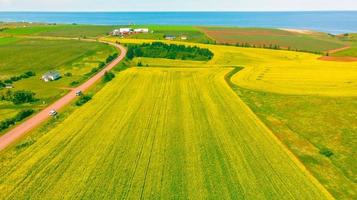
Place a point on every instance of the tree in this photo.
(108, 76)
(22, 96)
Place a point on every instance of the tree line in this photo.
(169, 51)
(16, 78)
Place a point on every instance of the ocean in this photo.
(334, 22)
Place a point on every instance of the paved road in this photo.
(19, 131)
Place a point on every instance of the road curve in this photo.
(20, 130)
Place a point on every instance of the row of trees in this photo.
(169, 51)
(17, 78)
(12, 121)
(271, 46)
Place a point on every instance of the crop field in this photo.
(60, 30)
(19, 55)
(313, 126)
(164, 133)
(310, 41)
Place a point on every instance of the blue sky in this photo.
(176, 5)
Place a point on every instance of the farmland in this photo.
(61, 30)
(19, 55)
(311, 126)
(167, 140)
(309, 41)
(248, 124)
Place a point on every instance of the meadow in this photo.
(60, 30)
(161, 129)
(19, 55)
(319, 130)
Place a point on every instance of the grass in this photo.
(73, 31)
(319, 130)
(315, 42)
(162, 148)
(19, 55)
(352, 51)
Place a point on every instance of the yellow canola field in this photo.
(283, 72)
(160, 133)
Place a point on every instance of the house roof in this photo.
(52, 73)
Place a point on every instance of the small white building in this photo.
(51, 76)
(170, 37)
(183, 37)
(141, 30)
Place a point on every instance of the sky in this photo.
(176, 5)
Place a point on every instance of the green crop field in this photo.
(310, 126)
(60, 30)
(164, 133)
(19, 55)
(308, 41)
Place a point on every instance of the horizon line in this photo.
(184, 11)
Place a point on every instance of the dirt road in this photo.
(18, 132)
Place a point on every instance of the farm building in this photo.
(183, 37)
(122, 31)
(51, 76)
(127, 31)
(170, 37)
(141, 30)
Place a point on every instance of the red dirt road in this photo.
(19, 131)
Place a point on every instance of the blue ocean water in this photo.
(329, 21)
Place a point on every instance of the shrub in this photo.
(108, 76)
(83, 99)
(23, 114)
(326, 152)
(68, 74)
(12, 121)
(74, 83)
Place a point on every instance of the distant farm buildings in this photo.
(170, 37)
(128, 31)
(51, 76)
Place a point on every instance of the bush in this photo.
(12, 121)
(74, 83)
(111, 58)
(83, 99)
(22, 96)
(2, 84)
(108, 76)
(23, 114)
(326, 152)
(68, 74)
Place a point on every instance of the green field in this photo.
(19, 55)
(61, 30)
(309, 125)
(352, 51)
(309, 41)
(193, 34)
(161, 129)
